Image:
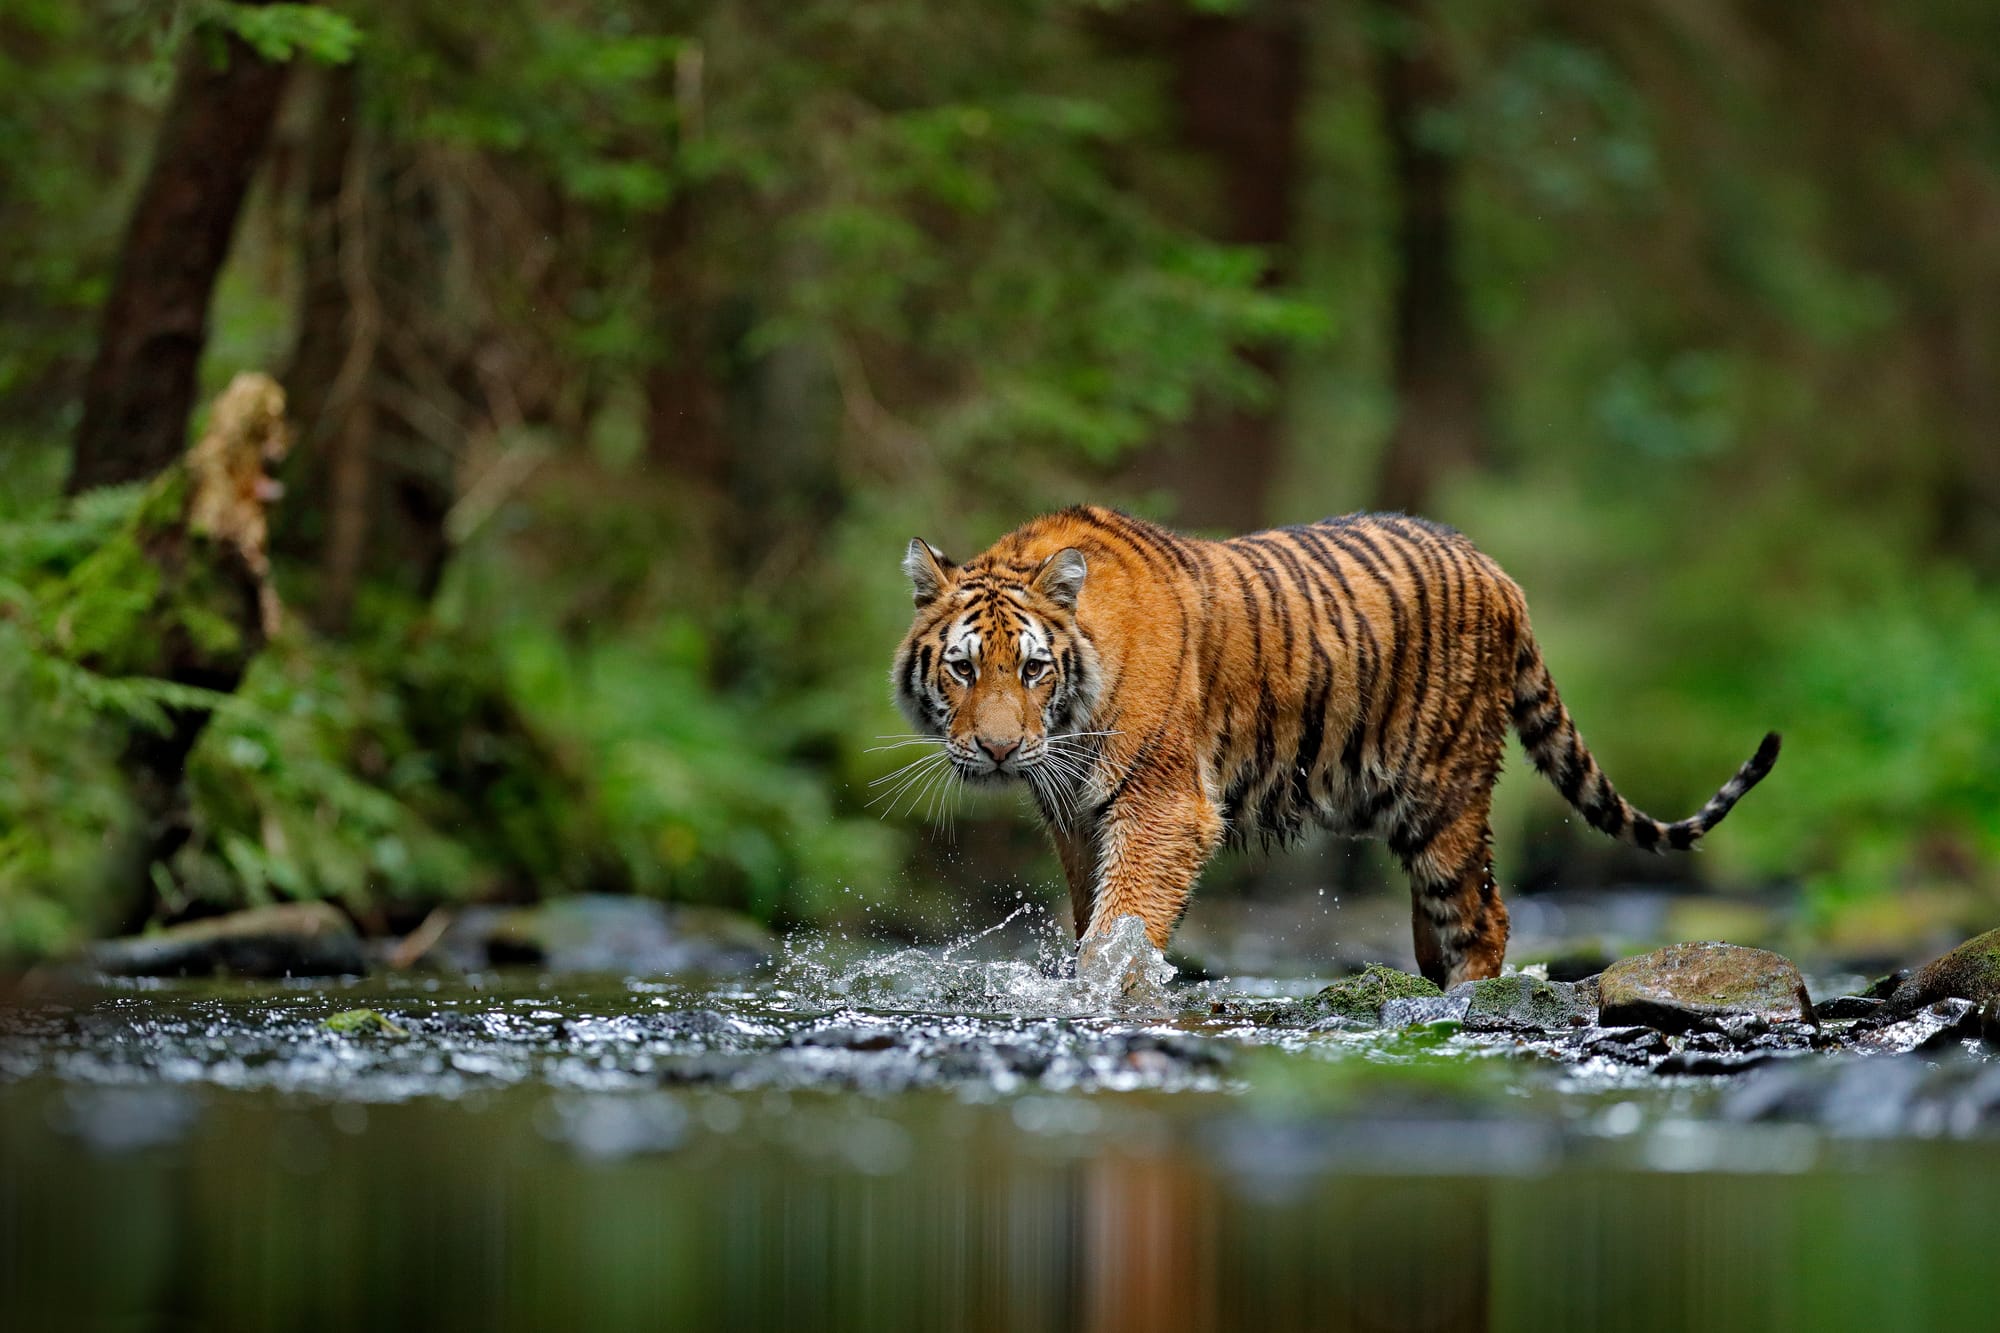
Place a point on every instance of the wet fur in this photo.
(1358, 674)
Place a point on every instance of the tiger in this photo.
(1162, 696)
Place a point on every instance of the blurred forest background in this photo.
(627, 342)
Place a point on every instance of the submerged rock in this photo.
(1713, 1064)
(1686, 986)
(1969, 972)
(605, 933)
(1935, 1027)
(1361, 997)
(293, 939)
(1627, 1046)
(1521, 1003)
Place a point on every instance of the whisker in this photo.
(910, 773)
(916, 786)
(891, 776)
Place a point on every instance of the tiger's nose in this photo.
(999, 750)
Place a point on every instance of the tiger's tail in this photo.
(1559, 754)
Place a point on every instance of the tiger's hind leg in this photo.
(1458, 922)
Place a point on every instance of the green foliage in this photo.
(943, 270)
(280, 32)
(62, 804)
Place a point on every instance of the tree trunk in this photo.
(141, 385)
(1239, 84)
(338, 329)
(1440, 393)
(684, 426)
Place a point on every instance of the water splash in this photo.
(1121, 975)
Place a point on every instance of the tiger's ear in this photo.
(929, 570)
(1060, 578)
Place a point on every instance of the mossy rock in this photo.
(1685, 986)
(1969, 972)
(1521, 1003)
(1361, 997)
(364, 1023)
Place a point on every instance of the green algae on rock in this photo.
(1686, 986)
(1969, 972)
(364, 1023)
(1521, 1003)
(1361, 997)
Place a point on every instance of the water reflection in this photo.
(935, 1139)
(534, 1210)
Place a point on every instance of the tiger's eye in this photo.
(962, 668)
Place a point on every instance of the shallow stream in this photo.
(953, 1136)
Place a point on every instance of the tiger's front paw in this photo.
(1121, 962)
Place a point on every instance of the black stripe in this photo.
(1577, 765)
(1421, 684)
(1538, 729)
(1252, 611)
(1159, 539)
(1367, 654)
(1608, 812)
(1139, 758)
(1267, 573)
(1375, 568)
(1309, 548)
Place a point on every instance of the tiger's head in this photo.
(994, 664)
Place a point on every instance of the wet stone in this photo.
(1712, 1064)
(1688, 986)
(1884, 986)
(1522, 1003)
(1940, 1026)
(1360, 998)
(1842, 1007)
(1629, 1045)
(1969, 972)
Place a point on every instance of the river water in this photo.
(946, 1137)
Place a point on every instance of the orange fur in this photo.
(1164, 694)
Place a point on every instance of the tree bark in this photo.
(684, 426)
(141, 385)
(338, 329)
(1239, 84)
(1439, 385)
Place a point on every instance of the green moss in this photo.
(1523, 1003)
(1969, 972)
(1362, 996)
(364, 1023)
